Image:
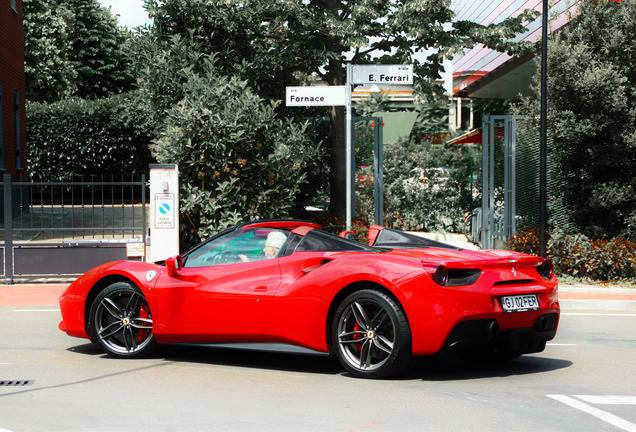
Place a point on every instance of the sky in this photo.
(130, 13)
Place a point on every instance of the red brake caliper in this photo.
(142, 333)
(357, 336)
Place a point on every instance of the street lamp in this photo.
(543, 146)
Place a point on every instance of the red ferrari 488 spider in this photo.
(374, 307)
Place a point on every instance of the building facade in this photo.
(481, 73)
(12, 90)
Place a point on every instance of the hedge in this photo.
(578, 256)
(83, 138)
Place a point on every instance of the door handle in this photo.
(260, 288)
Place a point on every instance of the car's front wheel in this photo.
(370, 335)
(121, 321)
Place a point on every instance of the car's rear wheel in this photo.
(370, 335)
(121, 321)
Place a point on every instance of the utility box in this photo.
(164, 211)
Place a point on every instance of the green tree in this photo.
(592, 118)
(74, 48)
(275, 43)
(50, 75)
(237, 159)
(98, 51)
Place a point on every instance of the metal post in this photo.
(513, 176)
(543, 147)
(492, 136)
(8, 230)
(348, 119)
(354, 140)
(506, 212)
(143, 211)
(485, 191)
(378, 157)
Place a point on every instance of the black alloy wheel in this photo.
(370, 335)
(121, 321)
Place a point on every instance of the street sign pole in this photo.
(348, 121)
(543, 139)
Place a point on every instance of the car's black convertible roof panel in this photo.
(399, 239)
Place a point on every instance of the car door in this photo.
(216, 296)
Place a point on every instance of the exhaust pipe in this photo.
(542, 324)
(493, 328)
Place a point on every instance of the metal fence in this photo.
(510, 183)
(66, 227)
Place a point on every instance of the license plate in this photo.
(520, 303)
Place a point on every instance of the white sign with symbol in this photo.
(315, 96)
(382, 74)
(164, 211)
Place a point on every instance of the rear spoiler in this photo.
(524, 261)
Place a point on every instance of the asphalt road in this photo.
(584, 381)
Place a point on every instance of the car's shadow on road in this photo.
(233, 357)
(445, 369)
(250, 358)
(426, 368)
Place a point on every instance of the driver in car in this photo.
(274, 242)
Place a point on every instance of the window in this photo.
(237, 246)
(18, 130)
(14, 5)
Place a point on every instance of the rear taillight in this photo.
(440, 275)
(546, 269)
(454, 277)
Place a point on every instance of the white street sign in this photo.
(315, 96)
(382, 74)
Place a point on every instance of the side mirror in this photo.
(174, 264)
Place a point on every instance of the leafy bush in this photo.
(237, 159)
(77, 137)
(427, 187)
(576, 255)
(525, 241)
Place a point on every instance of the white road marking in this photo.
(35, 310)
(608, 399)
(560, 344)
(600, 414)
(599, 314)
(5, 430)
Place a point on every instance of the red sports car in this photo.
(373, 307)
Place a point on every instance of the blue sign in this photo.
(165, 207)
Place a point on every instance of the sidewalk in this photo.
(579, 291)
(31, 294)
